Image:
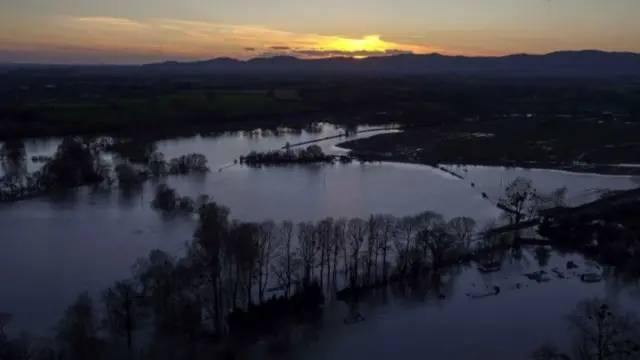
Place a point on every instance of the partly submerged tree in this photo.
(519, 199)
(521, 202)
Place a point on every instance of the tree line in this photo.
(244, 278)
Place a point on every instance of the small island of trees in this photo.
(309, 155)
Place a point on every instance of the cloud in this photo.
(109, 22)
(176, 39)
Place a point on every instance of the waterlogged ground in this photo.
(52, 248)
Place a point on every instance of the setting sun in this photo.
(367, 43)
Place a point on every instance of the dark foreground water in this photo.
(419, 324)
(51, 249)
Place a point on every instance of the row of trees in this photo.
(232, 270)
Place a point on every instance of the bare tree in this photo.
(522, 202)
(307, 250)
(520, 199)
(356, 235)
(443, 247)
(602, 331)
(266, 242)
(373, 229)
(387, 232)
(208, 251)
(338, 244)
(244, 250)
(324, 232)
(462, 228)
(407, 228)
(284, 270)
(122, 302)
(428, 222)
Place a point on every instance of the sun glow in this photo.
(161, 39)
(367, 43)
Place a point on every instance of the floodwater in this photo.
(51, 249)
(418, 324)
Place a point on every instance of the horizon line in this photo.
(344, 57)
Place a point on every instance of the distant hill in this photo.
(563, 63)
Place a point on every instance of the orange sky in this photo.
(129, 32)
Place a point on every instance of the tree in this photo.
(73, 164)
(339, 244)
(601, 331)
(307, 250)
(387, 232)
(165, 198)
(406, 227)
(373, 228)
(189, 303)
(128, 177)
(122, 303)
(426, 238)
(356, 235)
(443, 246)
(462, 229)
(314, 151)
(208, 251)
(78, 329)
(266, 241)
(522, 202)
(12, 157)
(243, 245)
(324, 233)
(520, 199)
(604, 331)
(285, 269)
(155, 276)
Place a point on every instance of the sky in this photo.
(142, 31)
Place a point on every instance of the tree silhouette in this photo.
(602, 331)
(78, 330)
(123, 310)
